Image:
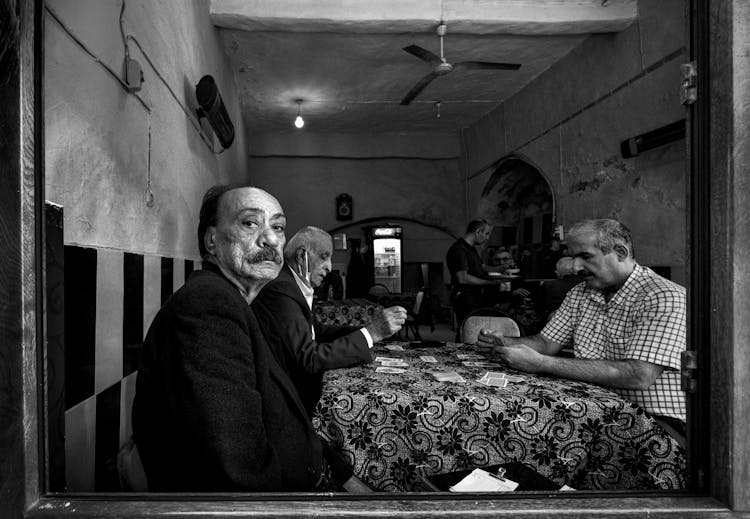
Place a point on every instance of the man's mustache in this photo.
(266, 254)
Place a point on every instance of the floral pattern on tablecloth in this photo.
(346, 312)
(394, 428)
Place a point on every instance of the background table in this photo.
(396, 427)
(344, 312)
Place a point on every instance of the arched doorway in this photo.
(519, 202)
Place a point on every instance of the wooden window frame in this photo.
(719, 152)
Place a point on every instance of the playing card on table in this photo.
(492, 378)
(478, 363)
(427, 358)
(447, 376)
(394, 347)
(386, 359)
(389, 369)
(469, 356)
(394, 363)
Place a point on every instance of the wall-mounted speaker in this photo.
(344, 207)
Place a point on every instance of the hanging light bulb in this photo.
(299, 122)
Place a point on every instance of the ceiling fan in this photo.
(440, 65)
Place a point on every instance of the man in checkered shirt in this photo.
(626, 325)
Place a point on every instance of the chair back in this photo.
(473, 323)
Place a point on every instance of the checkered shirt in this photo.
(644, 320)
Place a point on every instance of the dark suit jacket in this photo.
(285, 319)
(213, 410)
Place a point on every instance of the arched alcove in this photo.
(518, 196)
(520, 204)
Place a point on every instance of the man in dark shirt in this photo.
(468, 274)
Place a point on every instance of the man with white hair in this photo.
(307, 349)
(625, 323)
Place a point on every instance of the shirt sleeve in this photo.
(287, 330)
(561, 325)
(659, 334)
(457, 260)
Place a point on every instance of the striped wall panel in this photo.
(110, 298)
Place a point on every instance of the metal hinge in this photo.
(689, 83)
(687, 373)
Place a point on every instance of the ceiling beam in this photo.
(526, 17)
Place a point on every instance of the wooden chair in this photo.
(475, 321)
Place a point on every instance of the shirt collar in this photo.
(307, 291)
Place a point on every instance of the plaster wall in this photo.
(409, 176)
(98, 148)
(570, 121)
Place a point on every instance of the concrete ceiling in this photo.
(344, 58)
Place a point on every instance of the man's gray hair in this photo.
(309, 238)
(609, 235)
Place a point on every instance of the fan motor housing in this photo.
(443, 68)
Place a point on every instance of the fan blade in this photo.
(485, 65)
(423, 54)
(414, 92)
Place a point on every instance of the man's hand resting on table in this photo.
(517, 354)
(385, 322)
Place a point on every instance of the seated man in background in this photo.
(506, 264)
(555, 290)
(626, 325)
(303, 347)
(213, 409)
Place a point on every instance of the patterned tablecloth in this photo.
(346, 312)
(395, 427)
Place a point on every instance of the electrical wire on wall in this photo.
(96, 58)
(196, 124)
(132, 88)
(148, 196)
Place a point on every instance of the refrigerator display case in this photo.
(386, 257)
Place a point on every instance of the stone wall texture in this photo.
(571, 120)
(100, 140)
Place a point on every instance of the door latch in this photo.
(689, 83)
(689, 364)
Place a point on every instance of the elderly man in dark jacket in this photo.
(213, 409)
(307, 349)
